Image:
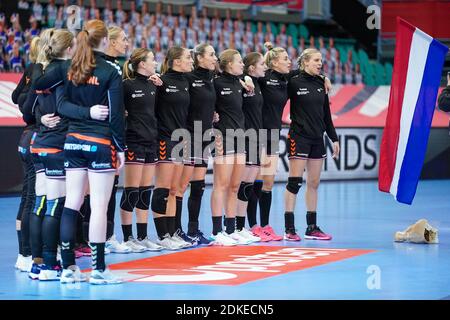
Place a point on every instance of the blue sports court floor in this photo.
(356, 214)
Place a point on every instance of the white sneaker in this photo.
(18, 261)
(223, 239)
(134, 245)
(149, 245)
(168, 243)
(239, 238)
(115, 246)
(244, 233)
(104, 277)
(107, 250)
(184, 244)
(72, 274)
(48, 274)
(24, 263)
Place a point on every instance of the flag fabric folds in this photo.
(418, 64)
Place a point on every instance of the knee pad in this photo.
(294, 184)
(130, 197)
(40, 206)
(55, 207)
(159, 200)
(144, 197)
(197, 189)
(245, 191)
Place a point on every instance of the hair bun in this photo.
(268, 45)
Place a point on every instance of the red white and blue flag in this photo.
(418, 63)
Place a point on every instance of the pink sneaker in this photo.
(291, 235)
(317, 234)
(86, 251)
(78, 253)
(257, 231)
(271, 234)
(82, 251)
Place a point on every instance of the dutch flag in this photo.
(418, 63)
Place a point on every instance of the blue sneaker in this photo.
(186, 238)
(35, 270)
(200, 238)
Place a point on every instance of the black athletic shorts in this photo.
(38, 165)
(136, 154)
(200, 150)
(89, 152)
(271, 144)
(53, 161)
(252, 153)
(228, 145)
(304, 148)
(23, 146)
(172, 151)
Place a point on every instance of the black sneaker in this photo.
(316, 234)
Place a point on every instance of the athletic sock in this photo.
(127, 230)
(240, 223)
(311, 219)
(161, 226)
(171, 222)
(217, 225)
(289, 221)
(19, 238)
(230, 225)
(265, 202)
(141, 230)
(67, 233)
(98, 256)
(179, 207)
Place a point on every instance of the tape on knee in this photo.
(245, 191)
(55, 207)
(197, 189)
(159, 200)
(144, 197)
(130, 197)
(294, 184)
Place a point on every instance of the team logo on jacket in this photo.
(249, 94)
(272, 82)
(226, 91)
(172, 89)
(138, 94)
(302, 91)
(198, 83)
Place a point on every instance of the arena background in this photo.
(359, 109)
